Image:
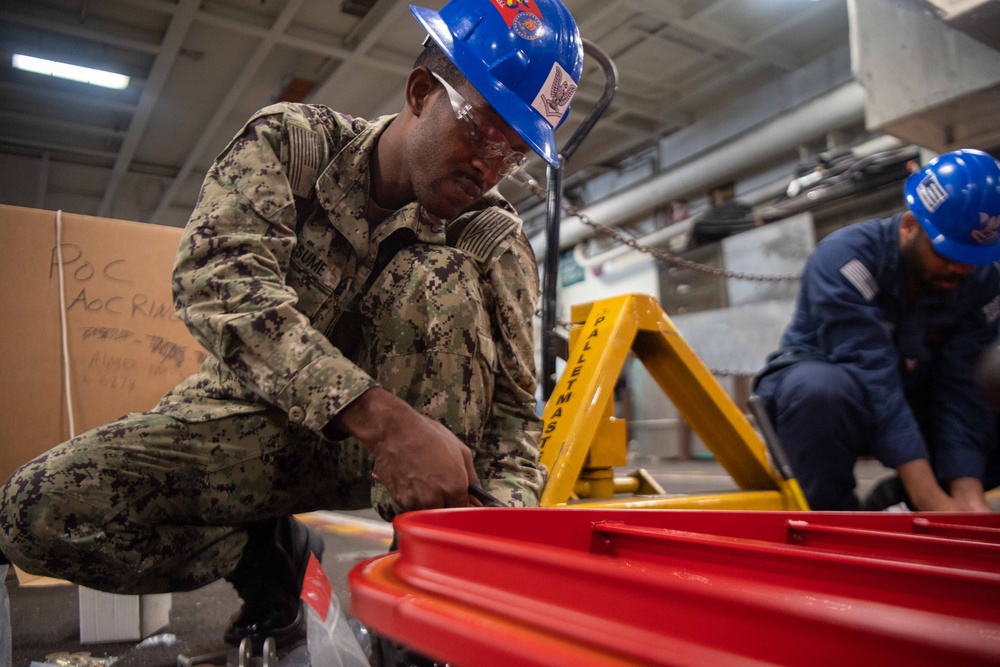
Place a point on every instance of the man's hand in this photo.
(422, 463)
(968, 491)
(924, 490)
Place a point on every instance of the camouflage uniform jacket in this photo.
(277, 253)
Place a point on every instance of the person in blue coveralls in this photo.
(878, 357)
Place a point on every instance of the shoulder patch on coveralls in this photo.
(858, 275)
(991, 311)
(483, 237)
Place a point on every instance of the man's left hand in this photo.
(969, 492)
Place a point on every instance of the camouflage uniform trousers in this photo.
(154, 503)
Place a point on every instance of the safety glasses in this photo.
(486, 140)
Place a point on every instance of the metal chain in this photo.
(532, 186)
(718, 372)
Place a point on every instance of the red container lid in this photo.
(673, 587)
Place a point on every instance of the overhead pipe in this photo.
(663, 235)
(753, 197)
(836, 108)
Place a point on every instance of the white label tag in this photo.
(555, 95)
(931, 193)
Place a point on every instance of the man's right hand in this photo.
(421, 462)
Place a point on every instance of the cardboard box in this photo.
(124, 346)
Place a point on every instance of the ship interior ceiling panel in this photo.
(199, 68)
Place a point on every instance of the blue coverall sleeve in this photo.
(842, 290)
(966, 429)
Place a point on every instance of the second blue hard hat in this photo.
(956, 197)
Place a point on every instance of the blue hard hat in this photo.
(956, 198)
(524, 57)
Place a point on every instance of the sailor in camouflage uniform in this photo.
(367, 300)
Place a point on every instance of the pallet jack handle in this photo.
(550, 341)
(778, 457)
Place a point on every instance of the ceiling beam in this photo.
(364, 33)
(154, 5)
(74, 30)
(54, 147)
(69, 126)
(67, 99)
(777, 57)
(299, 42)
(304, 44)
(598, 21)
(807, 13)
(607, 15)
(169, 49)
(222, 110)
(708, 10)
(364, 36)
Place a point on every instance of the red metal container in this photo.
(564, 587)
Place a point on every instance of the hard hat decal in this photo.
(931, 193)
(987, 232)
(511, 10)
(555, 95)
(527, 25)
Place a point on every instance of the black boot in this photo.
(269, 579)
(887, 492)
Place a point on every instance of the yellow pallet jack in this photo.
(582, 441)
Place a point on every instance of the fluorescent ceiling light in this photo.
(73, 72)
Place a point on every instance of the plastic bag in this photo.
(329, 638)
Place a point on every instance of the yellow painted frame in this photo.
(582, 441)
